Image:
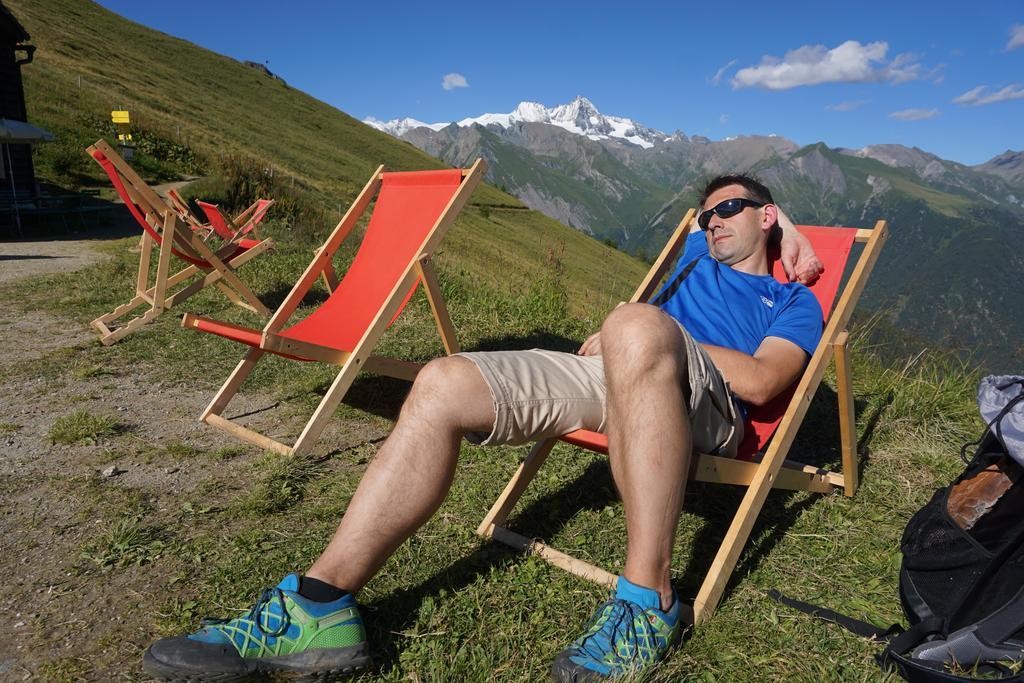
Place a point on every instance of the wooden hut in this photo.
(14, 51)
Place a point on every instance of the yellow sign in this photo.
(122, 122)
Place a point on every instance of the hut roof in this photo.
(11, 29)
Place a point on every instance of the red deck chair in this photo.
(163, 227)
(411, 216)
(232, 229)
(761, 464)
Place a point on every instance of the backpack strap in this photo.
(863, 629)
(917, 654)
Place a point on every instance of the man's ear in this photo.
(771, 217)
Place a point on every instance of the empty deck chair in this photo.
(163, 227)
(411, 216)
(761, 464)
(241, 225)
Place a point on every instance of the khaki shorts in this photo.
(539, 394)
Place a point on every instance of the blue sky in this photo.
(846, 73)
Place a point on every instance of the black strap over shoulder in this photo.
(673, 286)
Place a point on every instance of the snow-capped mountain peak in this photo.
(399, 127)
(579, 116)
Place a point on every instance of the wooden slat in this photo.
(234, 381)
(555, 557)
(353, 364)
(392, 367)
(792, 476)
(247, 434)
(145, 253)
(275, 343)
(847, 415)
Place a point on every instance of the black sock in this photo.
(318, 590)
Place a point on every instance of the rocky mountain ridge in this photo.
(950, 222)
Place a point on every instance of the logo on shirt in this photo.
(768, 302)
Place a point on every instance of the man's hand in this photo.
(797, 254)
(592, 346)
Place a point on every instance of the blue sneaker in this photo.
(284, 633)
(627, 635)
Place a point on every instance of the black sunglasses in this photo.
(730, 207)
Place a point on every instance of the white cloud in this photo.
(1016, 37)
(850, 62)
(721, 72)
(723, 119)
(914, 114)
(452, 81)
(976, 97)
(848, 105)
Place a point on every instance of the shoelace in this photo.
(602, 642)
(265, 599)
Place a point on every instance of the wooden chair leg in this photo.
(728, 554)
(847, 416)
(231, 386)
(163, 264)
(145, 250)
(515, 487)
(437, 306)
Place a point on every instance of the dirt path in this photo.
(26, 259)
(69, 614)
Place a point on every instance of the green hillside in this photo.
(192, 108)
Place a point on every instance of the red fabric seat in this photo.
(408, 206)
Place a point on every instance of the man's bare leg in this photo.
(648, 435)
(411, 474)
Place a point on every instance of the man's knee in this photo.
(643, 338)
(452, 388)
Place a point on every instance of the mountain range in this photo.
(949, 275)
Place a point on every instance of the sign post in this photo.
(122, 122)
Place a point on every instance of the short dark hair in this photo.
(754, 189)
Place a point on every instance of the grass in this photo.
(280, 483)
(81, 427)
(124, 543)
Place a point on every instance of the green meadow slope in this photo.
(192, 107)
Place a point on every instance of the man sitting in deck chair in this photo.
(661, 381)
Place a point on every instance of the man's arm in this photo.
(759, 378)
(797, 253)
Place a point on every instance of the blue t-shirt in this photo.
(721, 306)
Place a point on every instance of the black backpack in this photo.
(962, 590)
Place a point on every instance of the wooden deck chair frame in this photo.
(205, 267)
(772, 470)
(178, 203)
(359, 359)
